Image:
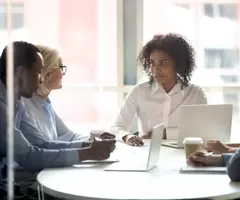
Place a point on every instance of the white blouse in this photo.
(153, 105)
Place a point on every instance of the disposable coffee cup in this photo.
(192, 144)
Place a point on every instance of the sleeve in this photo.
(226, 158)
(33, 135)
(233, 166)
(126, 114)
(30, 157)
(201, 97)
(65, 134)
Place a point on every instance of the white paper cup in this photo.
(192, 144)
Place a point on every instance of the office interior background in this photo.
(99, 41)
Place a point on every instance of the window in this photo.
(229, 79)
(212, 29)
(17, 16)
(221, 58)
(85, 108)
(100, 40)
(165, 14)
(129, 42)
(228, 11)
(87, 36)
(232, 98)
(226, 97)
(208, 10)
(87, 39)
(181, 5)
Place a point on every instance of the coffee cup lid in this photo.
(193, 140)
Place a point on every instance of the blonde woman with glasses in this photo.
(40, 109)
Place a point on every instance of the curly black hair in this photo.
(178, 48)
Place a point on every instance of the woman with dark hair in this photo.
(169, 62)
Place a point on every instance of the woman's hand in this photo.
(217, 147)
(133, 140)
(147, 136)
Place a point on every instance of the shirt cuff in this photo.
(226, 158)
(121, 134)
(71, 157)
(118, 133)
(81, 138)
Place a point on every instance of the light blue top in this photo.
(51, 127)
(28, 156)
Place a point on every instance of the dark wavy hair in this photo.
(178, 48)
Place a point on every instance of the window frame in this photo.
(120, 88)
(17, 8)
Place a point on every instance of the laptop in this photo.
(143, 165)
(210, 122)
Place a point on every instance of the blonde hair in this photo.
(51, 57)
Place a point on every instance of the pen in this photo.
(209, 153)
(98, 139)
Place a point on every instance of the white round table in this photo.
(90, 181)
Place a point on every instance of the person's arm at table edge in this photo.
(126, 114)
(232, 161)
(31, 157)
(35, 159)
(65, 134)
(32, 134)
(233, 147)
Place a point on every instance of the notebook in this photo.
(209, 170)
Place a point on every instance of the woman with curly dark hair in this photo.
(169, 61)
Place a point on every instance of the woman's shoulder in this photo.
(27, 101)
(197, 91)
(138, 90)
(194, 88)
(29, 105)
(142, 86)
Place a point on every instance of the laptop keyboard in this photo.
(173, 143)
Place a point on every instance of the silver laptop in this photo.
(143, 165)
(210, 122)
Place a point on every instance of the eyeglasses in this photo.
(63, 69)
